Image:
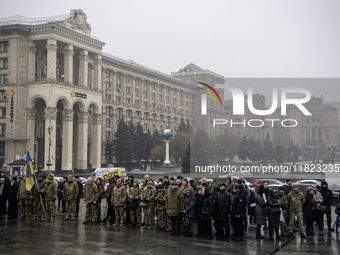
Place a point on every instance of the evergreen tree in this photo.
(140, 143)
(243, 150)
(186, 161)
(157, 139)
(122, 147)
(198, 153)
(148, 144)
(268, 149)
(183, 127)
(291, 148)
(253, 151)
(279, 154)
(132, 138)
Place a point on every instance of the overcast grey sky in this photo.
(232, 38)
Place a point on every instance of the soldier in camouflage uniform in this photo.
(148, 195)
(70, 194)
(35, 196)
(134, 195)
(25, 202)
(51, 192)
(160, 199)
(91, 195)
(118, 199)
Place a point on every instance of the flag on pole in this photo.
(29, 172)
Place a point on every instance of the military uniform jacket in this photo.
(23, 193)
(149, 194)
(119, 195)
(50, 190)
(91, 193)
(296, 201)
(134, 193)
(34, 190)
(71, 190)
(160, 199)
(174, 200)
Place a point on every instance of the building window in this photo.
(108, 98)
(5, 79)
(119, 89)
(3, 130)
(145, 105)
(108, 123)
(145, 126)
(108, 86)
(3, 112)
(137, 92)
(145, 94)
(153, 96)
(118, 99)
(167, 100)
(161, 98)
(127, 90)
(108, 135)
(128, 101)
(137, 102)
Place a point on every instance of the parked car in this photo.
(257, 182)
(310, 182)
(58, 179)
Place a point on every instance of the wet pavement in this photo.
(27, 237)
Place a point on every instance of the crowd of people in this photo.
(216, 209)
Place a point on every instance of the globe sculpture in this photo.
(167, 133)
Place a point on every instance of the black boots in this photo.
(258, 232)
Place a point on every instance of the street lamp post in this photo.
(49, 131)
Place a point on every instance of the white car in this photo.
(310, 182)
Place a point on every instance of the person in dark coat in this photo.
(239, 211)
(207, 215)
(327, 196)
(12, 198)
(233, 194)
(80, 187)
(260, 209)
(3, 196)
(274, 212)
(251, 206)
(60, 194)
(309, 210)
(198, 211)
(189, 210)
(110, 215)
(222, 209)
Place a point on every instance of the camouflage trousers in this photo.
(25, 206)
(36, 206)
(161, 218)
(70, 208)
(50, 209)
(119, 213)
(136, 215)
(91, 212)
(149, 214)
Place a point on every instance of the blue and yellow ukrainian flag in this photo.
(29, 172)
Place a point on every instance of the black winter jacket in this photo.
(207, 206)
(326, 193)
(222, 205)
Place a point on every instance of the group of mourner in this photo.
(178, 204)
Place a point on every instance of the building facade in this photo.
(53, 73)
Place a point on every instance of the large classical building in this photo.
(53, 73)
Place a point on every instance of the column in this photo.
(30, 131)
(51, 116)
(31, 61)
(83, 67)
(68, 64)
(81, 148)
(67, 140)
(98, 73)
(167, 157)
(96, 141)
(51, 59)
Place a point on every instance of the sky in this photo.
(262, 38)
